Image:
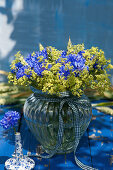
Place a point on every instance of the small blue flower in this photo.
(10, 119)
(77, 61)
(35, 64)
(49, 66)
(64, 53)
(64, 72)
(43, 53)
(18, 65)
(21, 72)
(38, 68)
(80, 52)
(95, 65)
(13, 71)
(30, 60)
(102, 67)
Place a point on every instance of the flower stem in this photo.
(14, 129)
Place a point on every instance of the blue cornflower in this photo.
(31, 60)
(64, 72)
(18, 65)
(13, 71)
(49, 66)
(102, 67)
(95, 65)
(10, 119)
(71, 58)
(64, 53)
(77, 61)
(43, 53)
(38, 68)
(34, 63)
(21, 72)
(80, 52)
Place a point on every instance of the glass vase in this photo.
(19, 161)
(41, 112)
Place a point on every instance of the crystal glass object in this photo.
(19, 161)
(41, 112)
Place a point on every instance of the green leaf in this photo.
(103, 104)
(106, 110)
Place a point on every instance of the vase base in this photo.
(59, 152)
(19, 163)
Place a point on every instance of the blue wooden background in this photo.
(26, 23)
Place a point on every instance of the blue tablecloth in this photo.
(95, 148)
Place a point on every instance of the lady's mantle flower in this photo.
(10, 119)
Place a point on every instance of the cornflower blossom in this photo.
(10, 119)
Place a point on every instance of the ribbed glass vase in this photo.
(41, 112)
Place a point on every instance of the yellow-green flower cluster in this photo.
(55, 71)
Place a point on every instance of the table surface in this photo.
(95, 147)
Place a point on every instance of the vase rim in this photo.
(62, 94)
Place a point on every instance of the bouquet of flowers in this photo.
(54, 71)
